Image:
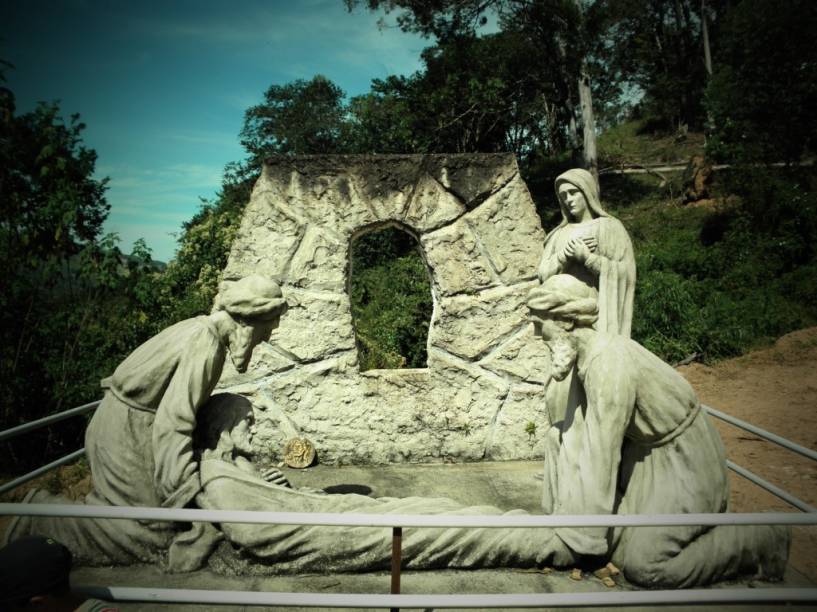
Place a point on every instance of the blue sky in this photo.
(163, 87)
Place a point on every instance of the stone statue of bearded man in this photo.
(637, 442)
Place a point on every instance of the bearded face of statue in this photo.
(562, 346)
(244, 337)
(241, 436)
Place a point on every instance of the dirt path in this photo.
(776, 389)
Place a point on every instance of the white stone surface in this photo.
(482, 240)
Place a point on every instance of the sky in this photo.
(163, 86)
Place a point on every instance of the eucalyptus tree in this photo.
(557, 30)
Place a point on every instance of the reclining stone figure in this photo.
(638, 442)
(230, 482)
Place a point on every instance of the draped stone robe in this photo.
(611, 270)
(638, 442)
(139, 446)
(305, 548)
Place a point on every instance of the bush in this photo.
(391, 300)
(720, 281)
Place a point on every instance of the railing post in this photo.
(396, 554)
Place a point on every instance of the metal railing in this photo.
(397, 521)
(52, 418)
(362, 519)
(8, 434)
(395, 600)
(477, 601)
(771, 437)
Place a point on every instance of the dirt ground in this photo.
(775, 389)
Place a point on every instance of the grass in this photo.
(630, 143)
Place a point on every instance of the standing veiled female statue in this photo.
(595, 248)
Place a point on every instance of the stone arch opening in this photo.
(486, 373)
(391, 297)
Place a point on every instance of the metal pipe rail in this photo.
(342, 519)
(478, 601)
(53, 418)
(13, 484)
(395, 601)
(785, 496)
(774, 490)
(779, 440)
(397, 522)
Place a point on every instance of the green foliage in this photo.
(440, 18)
(764, 85)
(656, 48)
(391, 300)
(382, 121)
(296, 118)
(632, 142)
(71, 304)
(190, 281)
(50, 202)
(719, 281)
(474, 94)
(713, 281)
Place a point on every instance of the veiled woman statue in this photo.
(595, 248)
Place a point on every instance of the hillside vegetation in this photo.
(719, 276)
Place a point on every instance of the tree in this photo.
(764, 84)
(474, 94)
(190, 282)
(556, 29)
(658, 48)
(71, 304)
(296, 118)
(51, 203)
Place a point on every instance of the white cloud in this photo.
(169, 178)
(159, 239)
(153, 203)
(202, 137)
(297, 29)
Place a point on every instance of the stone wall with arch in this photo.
(481, 240)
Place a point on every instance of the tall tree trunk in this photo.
(710, 121)
(589, 153)
(567, 93)
(705, 35)
(590, 159)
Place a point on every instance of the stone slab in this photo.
(481, 239)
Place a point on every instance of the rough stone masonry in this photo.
(483, 390)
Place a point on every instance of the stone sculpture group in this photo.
(627, 436)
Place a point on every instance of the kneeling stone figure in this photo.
(638, 442)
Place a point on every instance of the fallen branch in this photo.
(656, 169)
(688, 359)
